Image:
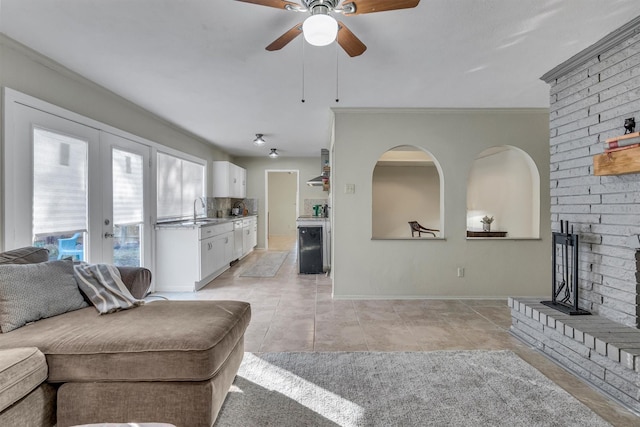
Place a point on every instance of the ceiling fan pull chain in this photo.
(303, 70)
(337, 70)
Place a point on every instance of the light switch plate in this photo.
(349, 188)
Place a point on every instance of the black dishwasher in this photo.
(310, 250)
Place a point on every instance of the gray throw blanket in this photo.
(102, 284)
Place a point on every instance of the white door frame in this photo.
(266, 199)
(13, 101)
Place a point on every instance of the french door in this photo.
(126, 234)
(76, 190)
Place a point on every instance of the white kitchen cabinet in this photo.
(229, 180)
(228, 247)
(207, 257)
(240, 182)
(254, 234)
(188, 257)
(249, 234)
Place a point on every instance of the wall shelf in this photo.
(617, 162)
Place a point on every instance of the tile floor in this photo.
(293, 312)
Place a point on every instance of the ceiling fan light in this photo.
(259, 141)
(320, 30)
(273, 154)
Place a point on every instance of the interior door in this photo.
(283, 209)
(126, 227)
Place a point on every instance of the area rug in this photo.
(266, 265)
(442, 388)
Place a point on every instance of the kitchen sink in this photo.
(201, 221)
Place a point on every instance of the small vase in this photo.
(486, 226)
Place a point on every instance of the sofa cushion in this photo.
(22, 370)
(27, 255)
(158, 341)
(29, 292)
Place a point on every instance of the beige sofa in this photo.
(165, 361)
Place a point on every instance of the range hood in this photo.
(324, 160)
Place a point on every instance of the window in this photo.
(180, 182)
(60, 197)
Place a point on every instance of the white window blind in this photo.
(180, 182)
(128, 194)
(59, 183)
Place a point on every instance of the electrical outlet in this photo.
(460, 271)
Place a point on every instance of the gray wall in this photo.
(589, 104)
(366, 268)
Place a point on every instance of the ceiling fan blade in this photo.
(279, 4)
(370, 6)
(349, 42)
(284, 39)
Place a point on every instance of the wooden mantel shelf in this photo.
(617, 162)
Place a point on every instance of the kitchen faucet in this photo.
(194, 208)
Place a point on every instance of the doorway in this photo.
(281, 204)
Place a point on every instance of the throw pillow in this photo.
(26, 255)
(102, 284)
(30, 292)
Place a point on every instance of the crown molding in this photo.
(612, 39)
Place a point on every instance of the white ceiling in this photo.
(201, 64)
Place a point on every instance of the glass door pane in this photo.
(128, 207)
(126, 222)
(60, 194)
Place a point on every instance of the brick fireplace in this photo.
(591, 96)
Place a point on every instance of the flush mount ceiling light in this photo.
(320, 29)
(273, 154)
(259, 141)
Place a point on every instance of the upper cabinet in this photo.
(229, 180)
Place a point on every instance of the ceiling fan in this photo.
(321, 29)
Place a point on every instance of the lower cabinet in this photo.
(215, 253)
(189, 257)
(249, 235)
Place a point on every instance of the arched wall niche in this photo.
(407, 185)
(504, 183)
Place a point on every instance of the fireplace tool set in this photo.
(564, 296)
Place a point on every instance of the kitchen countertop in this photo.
(311, 217)
(201, 222)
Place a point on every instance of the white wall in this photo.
(26, 71)
(257, 166)
(402, 194)
(427, 268)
